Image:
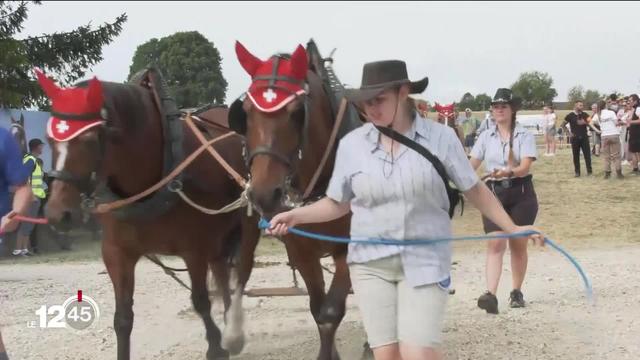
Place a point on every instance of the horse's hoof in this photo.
(233, 344)
(367, 353)
(220, 354)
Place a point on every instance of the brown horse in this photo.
(123, 154)
(284, 149)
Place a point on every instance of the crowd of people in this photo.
(611, 130)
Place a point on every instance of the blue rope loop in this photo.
(264, 224)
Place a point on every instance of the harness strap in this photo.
(77, 117)
(328, 149)
(106, 207)
(239, 179)
(274, 71)
(274, 78)
(168, 270)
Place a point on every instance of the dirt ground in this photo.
(558, 323)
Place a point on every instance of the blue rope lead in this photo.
(264, 224)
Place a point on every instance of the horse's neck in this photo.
(134, 163)
(320, 125)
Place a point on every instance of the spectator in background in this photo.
(561, 137)
(623, 113)
(633, 124)
(32, 161)
(612, 103)
(549, 118)
(594, 126)
(422, 107)
(488, 123)
(470, 127)
(610, 138)
(577, 121)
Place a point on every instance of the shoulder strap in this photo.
(453, 194)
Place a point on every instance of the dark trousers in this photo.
(578, 143)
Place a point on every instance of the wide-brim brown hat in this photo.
(381, 75)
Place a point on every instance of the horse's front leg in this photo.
(121, 268)
(233, 338)
(197, 266)
(335, 303)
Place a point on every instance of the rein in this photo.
(177, 186)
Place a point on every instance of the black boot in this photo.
(516, 299)
(488, 302)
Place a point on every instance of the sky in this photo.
(463, 46)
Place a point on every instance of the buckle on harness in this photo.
(87, 203)
(175, 186)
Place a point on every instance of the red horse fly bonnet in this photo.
(74, 110)
(445, 111)
(276, 81)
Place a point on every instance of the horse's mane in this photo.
(127, 105)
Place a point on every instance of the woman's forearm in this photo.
(484, 200)
(323, 210)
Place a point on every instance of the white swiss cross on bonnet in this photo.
(276, 81)
(73, 110)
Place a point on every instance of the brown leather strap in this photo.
(104, 208)
(239, 179)
(328, 149)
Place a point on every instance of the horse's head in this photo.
(272, 116)
(75, 134)
(445, 113)
(18, 132)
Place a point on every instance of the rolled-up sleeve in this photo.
(529, 148)
(479, 147)
(458, 166)
(340, 184)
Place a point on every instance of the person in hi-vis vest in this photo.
(36, 180)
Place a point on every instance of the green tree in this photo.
(588, 97)
(67, 55)
(467, 101)
(535, 89)
(575, 93)
(483, 102)
(591, 97)
(190, 64)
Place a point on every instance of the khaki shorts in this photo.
(392, 311)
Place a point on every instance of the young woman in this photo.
(394, 192)
(549, 117)
(633, 124)
(508, 150)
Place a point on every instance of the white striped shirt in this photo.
(491, 149)
(404, 199)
